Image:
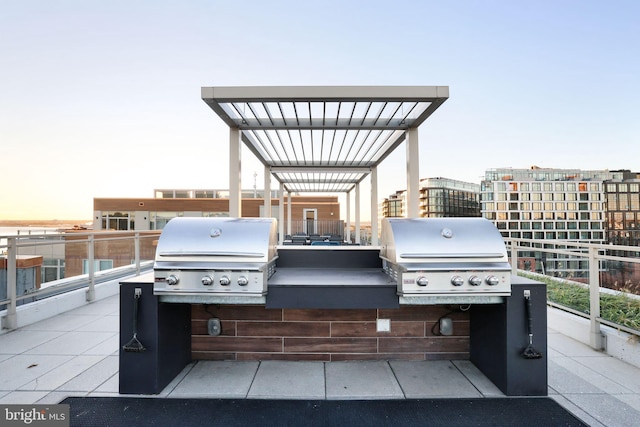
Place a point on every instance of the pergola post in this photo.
(267, 192)
(348, 219)
(413, 173)
(374, 206)
(289, 213)
(357, 213)
(281, 214)
(235, 185)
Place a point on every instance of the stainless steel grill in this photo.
(215, 256)
(445, 257)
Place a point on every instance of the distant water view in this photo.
(13, 228)
(13, 231)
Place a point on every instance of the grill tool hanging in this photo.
(134, 345)
(529, 352)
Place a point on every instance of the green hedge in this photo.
(619, 309)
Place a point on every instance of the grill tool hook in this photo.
(529, 352)
(135, 345)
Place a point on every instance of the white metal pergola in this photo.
(324, 138)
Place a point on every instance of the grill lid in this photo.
(226, 240)
(430, 240)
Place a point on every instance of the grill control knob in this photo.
(172, 280)
(243, 281)
(475, 281)
(225, 281)
(492, 280)
(457, 281)
(422, 281)
(207, 280)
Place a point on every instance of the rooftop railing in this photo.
(600, 282)
(77, 254)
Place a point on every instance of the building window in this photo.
(98, 265)
(160, 219)
(52, 269)
(117, 221)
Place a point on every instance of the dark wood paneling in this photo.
(227, 328)
(235, 312)
(283, 329)
(424, 345)
(331, 345)
(256, 333)
(236, 344)
(353, 329)
(329, 315)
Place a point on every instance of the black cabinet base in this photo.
(499, 336)
(164, 330)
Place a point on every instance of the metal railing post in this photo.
(137, 253)
(596, 339)
(91, 291)
(514, 258)
(11, 319)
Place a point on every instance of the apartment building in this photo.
(623, 209)
(308, 213)
(439, 197)
(548, 204)
(537, 203)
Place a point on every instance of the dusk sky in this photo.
(102, 98)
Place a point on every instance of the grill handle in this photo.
(217, 253)
(452, 255)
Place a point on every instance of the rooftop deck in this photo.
(76, 354)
